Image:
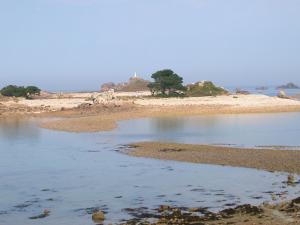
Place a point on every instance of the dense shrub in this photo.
(205, 88)
(19, 91)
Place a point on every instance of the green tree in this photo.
(32, 90)
(166, 83)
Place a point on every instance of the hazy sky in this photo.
(79, 44)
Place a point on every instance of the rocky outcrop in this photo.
(288, 86)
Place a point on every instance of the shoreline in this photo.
(79, 114)
(264, 159)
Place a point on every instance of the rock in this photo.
(282, 94)
(163, 208)
(296, 201)
(42, 215)
(241, 92)
(98, 216)
(290, 179)
(193, 209)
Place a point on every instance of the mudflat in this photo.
(265, 159)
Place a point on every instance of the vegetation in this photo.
(20, 91)
(205, 88)
(166, 83)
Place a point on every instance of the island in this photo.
(288, 86)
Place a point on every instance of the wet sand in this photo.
(265, 159)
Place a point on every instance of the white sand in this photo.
(252, 100)
(53, 104)
(75, 99)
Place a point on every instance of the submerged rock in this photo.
(42, 215)
(98, 216)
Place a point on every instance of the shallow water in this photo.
(68, 172)
(247, 130)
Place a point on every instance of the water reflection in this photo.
(15, 128)
(167, 124)
(243, 130)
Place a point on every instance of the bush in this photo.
(20, 91)
(205, 88)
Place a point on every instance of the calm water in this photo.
(68, 173)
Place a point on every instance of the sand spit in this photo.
(266, 159)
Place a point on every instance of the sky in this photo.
(80, 44)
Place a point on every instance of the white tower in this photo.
(135, 75)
